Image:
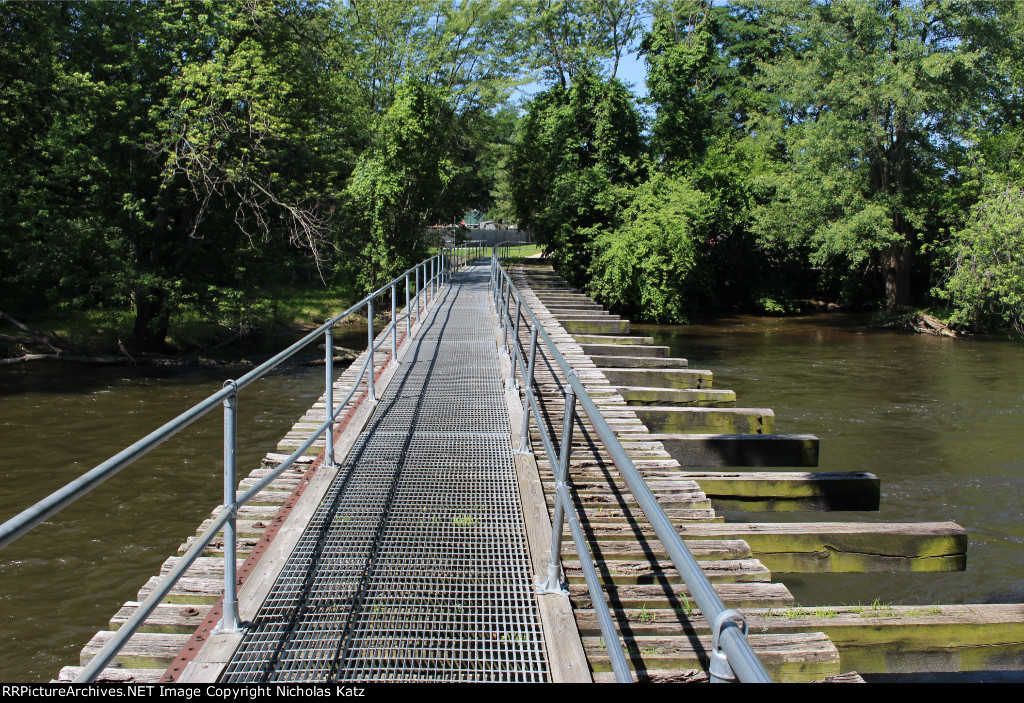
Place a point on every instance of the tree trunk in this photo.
(896, 263)
(151, 319)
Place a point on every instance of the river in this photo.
(940, 421)
(61, 582)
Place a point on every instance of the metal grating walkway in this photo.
(414, 567)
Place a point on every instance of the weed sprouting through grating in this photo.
(414, 566)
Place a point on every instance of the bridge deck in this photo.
(415, 565)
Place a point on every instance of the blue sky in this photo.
(632, 71)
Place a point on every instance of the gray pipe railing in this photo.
(439, 267)
(732, 657)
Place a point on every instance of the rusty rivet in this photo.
(189, 612)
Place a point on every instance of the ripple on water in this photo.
(62, 582)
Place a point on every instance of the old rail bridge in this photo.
(515, 489)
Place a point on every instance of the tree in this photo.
(577, 152)
(403, 177)
(574, 37)
(872, 102)
(646, 265)
(985, 284)
(684, 81)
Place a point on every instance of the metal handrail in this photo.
(436, 271)
(732, 657)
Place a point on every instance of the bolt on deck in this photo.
(414, 566)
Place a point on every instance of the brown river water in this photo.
(940, 421)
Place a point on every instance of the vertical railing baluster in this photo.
(394, 324)
(369, 334)
(515, 344)
(329, 396)
(524, 437)
(552, 583)
(506, 292)
(418, 293)
(408, 310)
(229, 618)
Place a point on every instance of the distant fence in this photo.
(490, 237)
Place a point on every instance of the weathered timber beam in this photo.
(114, 675)
(789, 491)
(872, 639)
(698, 676)
(740, 450)
(630, 348)
(611, 339)
(143, 650)
(810, 547)
(168, 618)
(669, 419)
(645, 362)
(602, 325)
(790, 658)
(678, 597)
(660, 378)
(580, 311)
(639, 395)
(644, 571)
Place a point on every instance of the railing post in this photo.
(369, 348)
(506, 292)
(408, 310)
(229, 619)
(417, 294)
(524, 438)
(329, 396)
(515, 343)
(394, 325)
(552, 584)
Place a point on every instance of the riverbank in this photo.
(195, 338)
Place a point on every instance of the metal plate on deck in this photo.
(414, 567)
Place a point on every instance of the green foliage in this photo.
(402, 177)
(570, 38)
(986, 281)
(190, 156)
(872, 102)
(576, 152)
(646, 266)
(684, 75)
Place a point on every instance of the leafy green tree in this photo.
(573, 37)
(646, 266)
(577, 152)
(403, 177)
(684, 81)
(872, 104)
(986, 280)
(55, 248)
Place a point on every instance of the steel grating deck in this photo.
(414, 567)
